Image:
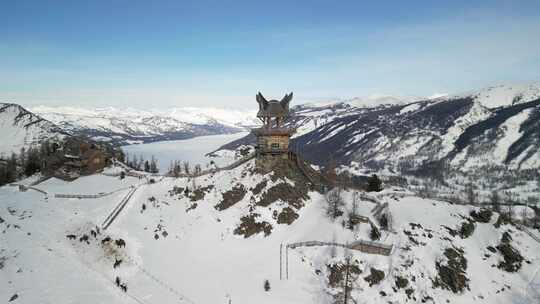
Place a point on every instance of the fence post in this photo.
(280, 262)
(287, 261)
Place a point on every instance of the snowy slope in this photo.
(22, 129)
(492, 127)
(182, 249)
(369, 101)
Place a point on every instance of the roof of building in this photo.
(273, 108)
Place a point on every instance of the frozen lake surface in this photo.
(192, 150)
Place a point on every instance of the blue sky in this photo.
(220, 53)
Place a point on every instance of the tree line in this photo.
(27, 162)
(141, 164)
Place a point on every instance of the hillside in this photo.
(492, 127)
(224, 233)
(20, 128)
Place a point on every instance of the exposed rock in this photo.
(249, 226)
(231, 197)
(292, 195)
(259, 187)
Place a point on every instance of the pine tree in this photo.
(32, 163)
(146, 166)
(374, 184)
(153, 165)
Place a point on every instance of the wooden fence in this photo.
(360, 245)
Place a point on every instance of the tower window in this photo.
(274, 145)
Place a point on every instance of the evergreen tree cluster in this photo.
(141, 164)
(374, 184)
(27, 162)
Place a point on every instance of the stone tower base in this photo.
(266, 162)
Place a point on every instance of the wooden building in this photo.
(273, 137)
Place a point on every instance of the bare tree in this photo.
(471, 196)
(334, 202)
(525, 215)
(330, 172)
(353, 215)
(510, 200)
(186, 167)
(346, 287)
(495, 201)
(533, 201)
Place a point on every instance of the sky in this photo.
(161, 54)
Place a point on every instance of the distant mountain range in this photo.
(496, 126)
(127, 126)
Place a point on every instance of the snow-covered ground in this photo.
(184, 250)
(193, 150)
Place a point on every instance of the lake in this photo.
(192, 150)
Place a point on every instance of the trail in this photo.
(118, 208)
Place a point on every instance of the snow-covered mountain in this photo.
(496, 126)
(217, 239)
(20, 128)
(369, 101)
(125, 126)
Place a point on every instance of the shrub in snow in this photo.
(266, 285)
(512, 258)
(401, 282)
(451, 275)
(375, 277)
(374, 234)
(467, 229)
(287, 216)
(338, 271)
(482, 216)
